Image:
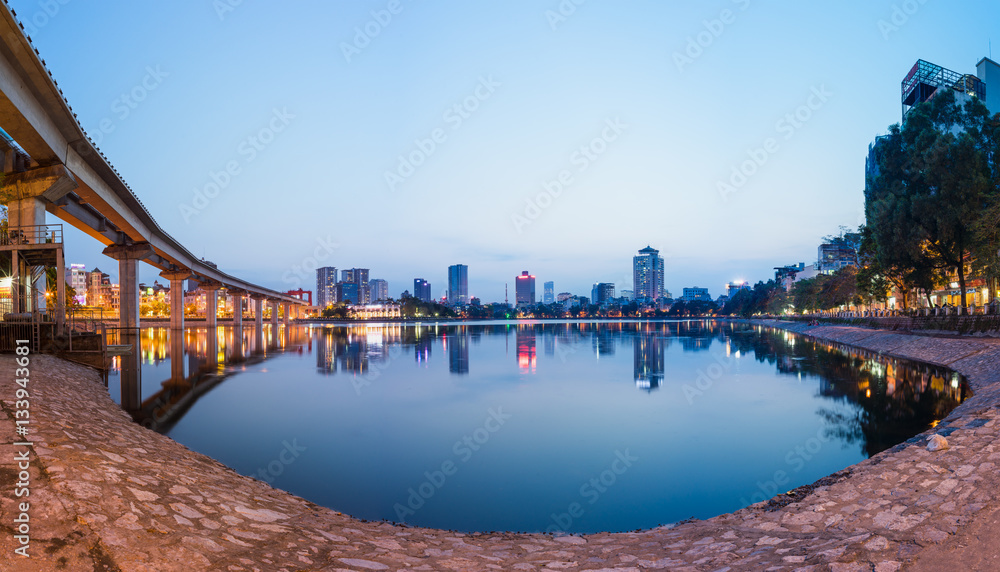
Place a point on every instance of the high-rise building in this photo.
(326, 286)
(421, 289)
(78, 280)
(378, 290)
(458, 285)
(549, 293)
(602, 293)
(349, 293)
(524, 290)
(358, 277)
(647, 274)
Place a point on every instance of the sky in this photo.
(553, 136)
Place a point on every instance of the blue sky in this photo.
(643, 108)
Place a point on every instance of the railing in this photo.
(33, 234)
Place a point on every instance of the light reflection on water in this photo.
(575, 426)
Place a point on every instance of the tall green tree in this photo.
(932, 185)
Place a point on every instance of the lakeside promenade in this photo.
(108, 494)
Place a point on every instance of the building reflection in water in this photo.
(892, 399)
(458, 351)
(527, 359)
(200, 358)
(649, 356)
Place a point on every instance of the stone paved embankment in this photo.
(107, 494)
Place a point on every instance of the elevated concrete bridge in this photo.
(52, 166)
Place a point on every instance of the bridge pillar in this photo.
(237, 309)
(176, 279)
(274, 313)
(29, 192)
(211, 290)
(285, 309)
(258, 312)
(128, 256)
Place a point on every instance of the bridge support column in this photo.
(211, 289)
(30, 191)
(176, 279)
(274, 313)
(128, 256)
(237, 311)
(285, 309)
(258, 313)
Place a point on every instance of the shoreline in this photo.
(110, 493)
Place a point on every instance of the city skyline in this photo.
(622, 107)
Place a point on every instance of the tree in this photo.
(933, 181)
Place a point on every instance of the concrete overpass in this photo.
(51, 165)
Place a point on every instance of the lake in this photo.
(531, 426)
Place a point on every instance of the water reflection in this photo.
(892, 399)
(199, 359)
(376, 421)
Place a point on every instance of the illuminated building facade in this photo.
(326, 286)
(647, 274)
(458, 285)
(421, 289)
(524, 291)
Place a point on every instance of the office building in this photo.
(378, 290)
(696, 295)
(549, 293)
(326, 286)
(458, 285)
(349, 293)
(358, 277)
(602, 293)
(421, 289)
(733, 287)
(647, 274)
(524, 289)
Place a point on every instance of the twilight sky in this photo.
(431, 139)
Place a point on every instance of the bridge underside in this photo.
(51, 166)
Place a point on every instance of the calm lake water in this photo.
(531, 426)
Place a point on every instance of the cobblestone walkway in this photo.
(107, 494)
